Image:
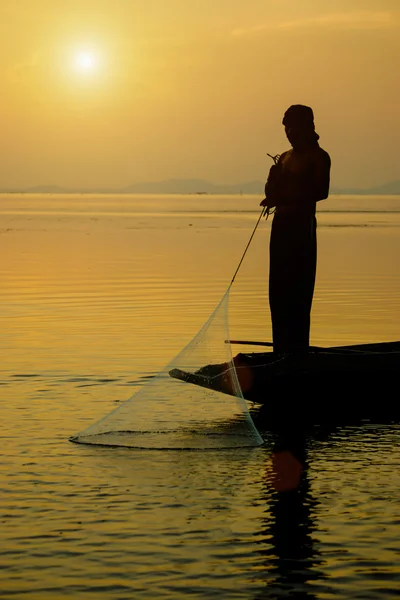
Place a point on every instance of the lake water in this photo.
(100, 292)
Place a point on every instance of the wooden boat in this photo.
(325, 383)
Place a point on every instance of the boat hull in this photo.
(359, 381)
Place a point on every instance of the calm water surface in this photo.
(100, 292)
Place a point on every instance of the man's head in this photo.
(299, 125)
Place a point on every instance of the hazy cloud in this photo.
(25, 70)
(345, 20)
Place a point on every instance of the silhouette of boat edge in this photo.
(356, 381)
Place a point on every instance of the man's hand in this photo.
(268, 205)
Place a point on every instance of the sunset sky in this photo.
(112, 92)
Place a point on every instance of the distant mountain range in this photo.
(194, 186)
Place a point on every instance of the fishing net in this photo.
(170, 412)
(185, 406)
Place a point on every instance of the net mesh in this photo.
(169, 413)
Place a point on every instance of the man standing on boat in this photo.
(298, 180)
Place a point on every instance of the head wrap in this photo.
(302, 117)
(299, 116)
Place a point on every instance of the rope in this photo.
(264, 211)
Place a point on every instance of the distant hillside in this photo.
(167, 186)
(195, 186)
(45, 189)
(392, 187)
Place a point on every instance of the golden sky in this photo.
(111, 92)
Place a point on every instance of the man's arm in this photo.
(313, 188)
(321, 180)
(273, 184)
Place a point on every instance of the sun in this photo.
(86, 61)
(84, 67)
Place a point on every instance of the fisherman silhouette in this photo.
(299, 179)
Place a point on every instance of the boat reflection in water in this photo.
(291, 556)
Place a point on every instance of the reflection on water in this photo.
(292, 558)
(100, 293)
(304, 559)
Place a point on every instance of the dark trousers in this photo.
(293, 261)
